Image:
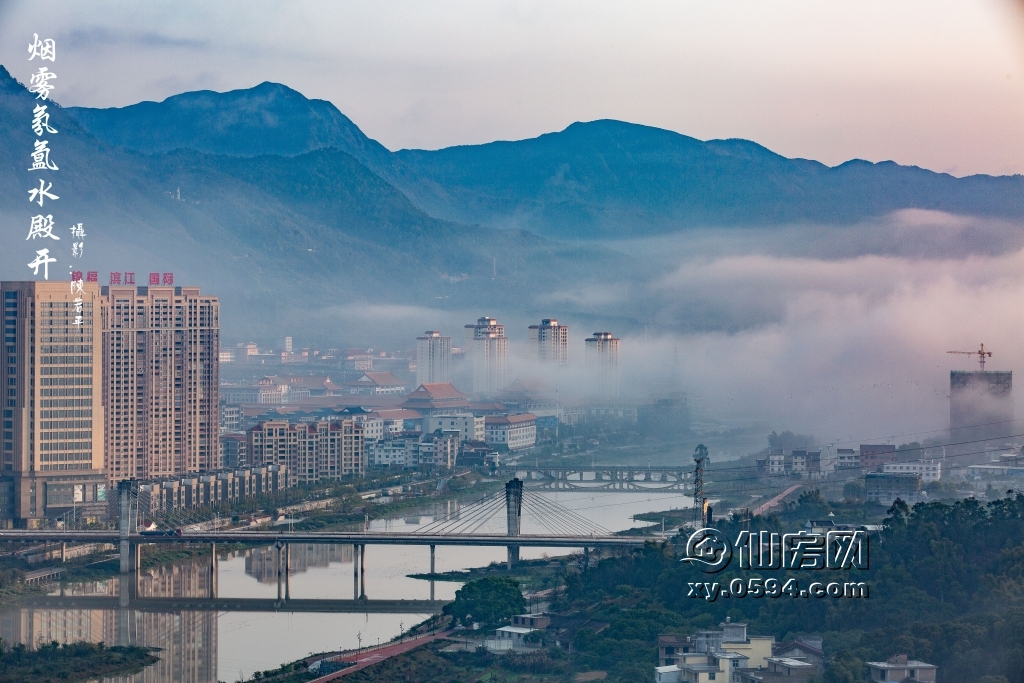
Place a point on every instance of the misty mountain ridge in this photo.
(596, 180)
(334, 242)
(286, 242)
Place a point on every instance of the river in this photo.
(206, 647)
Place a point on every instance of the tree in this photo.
(812, 505)
(489, 601)
(846, 668)
(853, 490)
(899, 512)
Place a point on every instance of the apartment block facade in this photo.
(51, 452)
(161, 353)
(488, 348)
(550, 342)
(433, 358)
(513, 432)
(602, 356)
(471, 427)
(311, 451)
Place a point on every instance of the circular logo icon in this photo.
(709, 550)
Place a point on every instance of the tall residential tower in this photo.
(550, 341)
(161, 350)
(488, 347)
(433, 358)
(52, 372)
(603, 359)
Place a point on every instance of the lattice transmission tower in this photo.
(700, 456)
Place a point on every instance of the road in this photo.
(776, 500)
(371, 657)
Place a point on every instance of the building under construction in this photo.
(980, 406)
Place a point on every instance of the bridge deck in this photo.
(337, 538)
(146, 604)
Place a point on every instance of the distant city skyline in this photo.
(935, 84)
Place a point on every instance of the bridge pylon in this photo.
(514, 515)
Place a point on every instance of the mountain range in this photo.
(596, 180)
(281, 205)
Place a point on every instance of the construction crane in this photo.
(981, 353)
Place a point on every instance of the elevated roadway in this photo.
(329, 537)
(217, 604)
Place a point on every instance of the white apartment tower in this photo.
(433, 358)
(603, 360)
(488, 347)
(550, 341)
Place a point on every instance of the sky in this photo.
(934, 83)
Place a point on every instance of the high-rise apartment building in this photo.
(550, 341)
(161, 354)
(488, 347)
(433, 358)
(51, 452)
(603, 359)
(980, 405)
(312, 451)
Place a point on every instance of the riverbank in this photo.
(73, 662)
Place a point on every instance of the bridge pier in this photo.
(277, 568)
(287, 571)
(213, 570)
(124, 504)
(432, 572)
(355, 571)
(362, 572)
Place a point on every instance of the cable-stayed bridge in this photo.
(496, 520)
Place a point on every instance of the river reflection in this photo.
(204, 647)
(188, 640)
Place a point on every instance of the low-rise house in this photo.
(531, 620)
(900, 668)
(670, 646)
(804, 649)
(930, 470)
(778, 670)
(847, 459)
(712, 655)
(512, 638)
(873, 456)
(563, 628)
(701, 668)
(211, 488)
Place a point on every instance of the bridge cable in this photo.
(567, 516)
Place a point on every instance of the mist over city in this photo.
(512, 341)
